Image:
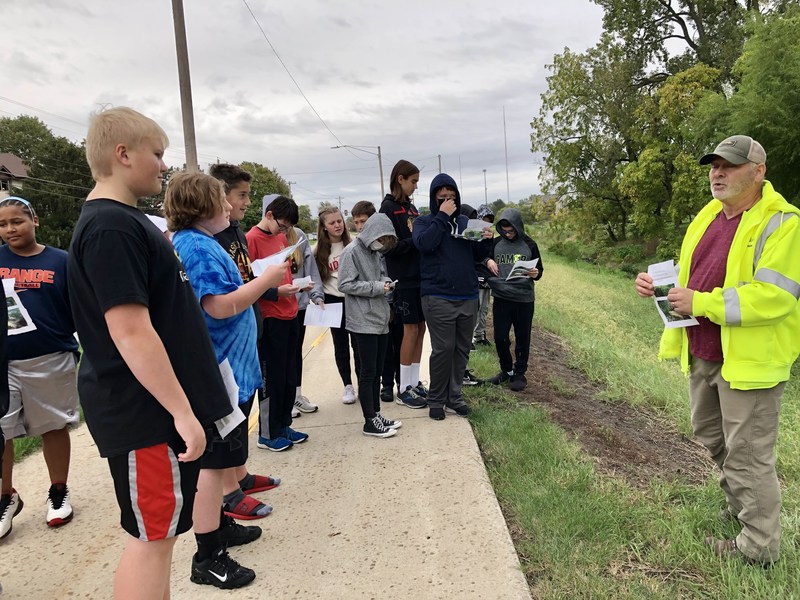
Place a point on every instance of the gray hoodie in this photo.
(362, 277)
(506, 252)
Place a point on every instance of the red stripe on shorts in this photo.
(155, 490)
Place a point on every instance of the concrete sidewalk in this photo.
(412, 516)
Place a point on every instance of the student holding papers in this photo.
(278, 345)
(516, 263)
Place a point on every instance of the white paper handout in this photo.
(159, 222)
(227, 424)
(260, 265)
(302, 282)
(330, 316)
(665, 277)
(473, 230)
(19, 321)
(521, 268)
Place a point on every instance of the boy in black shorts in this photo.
(148, 382)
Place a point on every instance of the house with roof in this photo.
(13, 172)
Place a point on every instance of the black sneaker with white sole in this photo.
(376, 428)
(410, 399)
(232, 533)
(470, 379)
(500, 378)
(221, 571)
(389, 423)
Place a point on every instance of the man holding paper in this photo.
(740, 277)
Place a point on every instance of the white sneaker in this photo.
(295, 413)
(349, 395)
(10, 506)
(303, 405)
(59, 509)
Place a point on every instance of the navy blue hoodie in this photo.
(447, 263)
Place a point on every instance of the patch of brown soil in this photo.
(625, 441)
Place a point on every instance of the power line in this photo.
(297, 85)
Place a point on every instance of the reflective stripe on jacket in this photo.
(757, 308)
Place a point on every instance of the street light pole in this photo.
(485, 189)
(185, 86)
(380, 160)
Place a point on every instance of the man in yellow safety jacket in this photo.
(740, 277)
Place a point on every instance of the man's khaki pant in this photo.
(739, 428)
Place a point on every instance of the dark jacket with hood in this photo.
(447, 263)
(402, 261)
(506, 252)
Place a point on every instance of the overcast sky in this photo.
(419, 78)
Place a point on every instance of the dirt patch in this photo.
(625, 441)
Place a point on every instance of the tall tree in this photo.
(58, 177)
(265, 181)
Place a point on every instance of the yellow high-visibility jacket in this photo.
(757, 307)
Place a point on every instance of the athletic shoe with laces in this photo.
(420, 390)
(518, 382)
(389, 423)
(461, 410)
(470, 379)
(59, 509)
(387, 393)
(410, 399)
(233, 534)
(303, 405)
(10, 505)
(349, 394)
(296, 437)
(295, 413)
(376, 428)
(221, 571)
(501, 377)
(278, 444)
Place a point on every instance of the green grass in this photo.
(26, 446)
(584, 535)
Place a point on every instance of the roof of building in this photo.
(13, 165)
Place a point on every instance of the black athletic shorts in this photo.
(231, 451)
(408, 306)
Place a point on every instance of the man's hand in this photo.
(273, 274)
(487, 234)
(533, 272)
(492, 266)
(321, 304)
(681, 300)
(644, 285)
(193, 436)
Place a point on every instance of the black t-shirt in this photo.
(117, 256)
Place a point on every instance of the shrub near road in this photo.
(613, 501)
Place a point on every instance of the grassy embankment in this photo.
(583, 535)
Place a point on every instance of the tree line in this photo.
(622, 125)
(59, 180)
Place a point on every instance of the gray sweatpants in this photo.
(739, 428)
(450, 324)
(483, 312)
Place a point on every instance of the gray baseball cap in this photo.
(737, 149)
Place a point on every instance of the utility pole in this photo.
(505, 141)
(460, 182)
(380, 169)
(485, 189)
(290, 184)
(185, 86)
(340, 204)
(440, 162)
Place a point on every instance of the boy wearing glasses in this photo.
(277, 348)
(449, 287)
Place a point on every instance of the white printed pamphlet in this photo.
(302, 282)
(473, 230)
(159, 222)
(330, 316)
(228, 423)
(260, 265)
(19, 321)
(521, 268)
(665, 277)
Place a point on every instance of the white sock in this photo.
(405, 377)
(415, 374)
(298, 393)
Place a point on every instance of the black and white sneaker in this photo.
(470, 379)
(410, 399)
(232, 533)
(221, 571)
(376, 428)
(389, 423)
